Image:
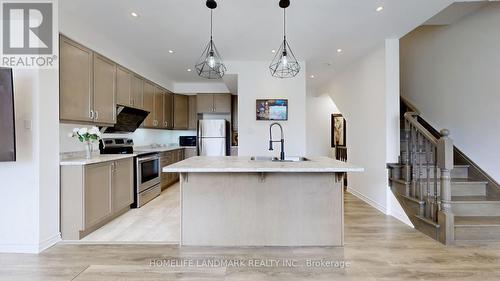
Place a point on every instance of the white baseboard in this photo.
(367, 200)
(49, 242)
(30, 248)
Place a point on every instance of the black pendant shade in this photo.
(210, 64)
(284, 64)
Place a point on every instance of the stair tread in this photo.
(429, 221)
(477, 221)
(474, 199)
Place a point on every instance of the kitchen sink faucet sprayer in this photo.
(271, 141)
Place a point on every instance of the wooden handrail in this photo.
(412, 118)
(439, 152)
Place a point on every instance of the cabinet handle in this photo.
(96, 115)
(92, 115)
(166, 124)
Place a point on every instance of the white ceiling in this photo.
(249, 30)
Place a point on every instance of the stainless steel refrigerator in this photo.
(213, 138)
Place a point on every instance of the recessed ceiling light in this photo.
(312, 76)
(134, 14)
(273, 51)
(339, 50)
(379, 9)
(171, 51)
(189, 70)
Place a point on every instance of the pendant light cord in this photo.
(211, 24)
(284, 23)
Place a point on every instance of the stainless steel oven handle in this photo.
(140, 160)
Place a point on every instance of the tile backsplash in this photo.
(141, 137)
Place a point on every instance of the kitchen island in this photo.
(243, 201)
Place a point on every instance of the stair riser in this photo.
(456, 173)
(475, 209)
(477, 233)
(457, 189)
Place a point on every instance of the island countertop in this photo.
(240, 164)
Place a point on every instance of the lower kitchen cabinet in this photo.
(190, 152)
(169, 158)
(93, 195)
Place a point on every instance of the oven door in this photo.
(148, 172)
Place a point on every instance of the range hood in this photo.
(128, 119)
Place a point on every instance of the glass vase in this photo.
(88, 150)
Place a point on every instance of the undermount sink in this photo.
(276, 159)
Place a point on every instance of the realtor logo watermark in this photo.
(29, 34)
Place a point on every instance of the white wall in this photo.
(318, 127)
(141, 137)
(367, 95)
(29, 216)
(451, 74)
(255, 82)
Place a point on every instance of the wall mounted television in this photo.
(7, 120)
(272, 109)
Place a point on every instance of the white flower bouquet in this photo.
(87, 136)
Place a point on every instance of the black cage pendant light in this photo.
(210, 65)
(284, 64)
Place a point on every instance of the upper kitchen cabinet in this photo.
(76, 81)
(213, 103)
(124, 86)
(222, 103)
(168, 110)
(193, 113)
(137, 91)
(181, 112)
(104, 90)
(159, 121)
(148, 104)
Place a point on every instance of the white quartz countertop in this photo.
(96, 159)
(235, 164)
(80, 160)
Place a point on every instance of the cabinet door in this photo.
(104, 90)
(75, 74)
(137, 91)
(149, 97)
(205, 103)
(97, 194)
(181, 112)
(193, 114)
(123, 184)
(168, 108)
(158, 108)
(123, 86)
(222, 103)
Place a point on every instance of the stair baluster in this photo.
(414, 173)
(428, 151)
(445, 163)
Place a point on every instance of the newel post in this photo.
(445, 164)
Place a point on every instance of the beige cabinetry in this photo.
(148, 104)
(193, 113)
(181, 112)
(137, 91)
(168, 110)
(190, 152)
(93, 195)
(213, 103)
(97, 193)
(168, 158)
(87, 85)
(124, 87)
(123, 180)
(76, 81)
(158, 111)
(104, 90)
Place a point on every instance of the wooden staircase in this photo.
(445, 195)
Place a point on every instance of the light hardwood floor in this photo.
(377, 247)
(157, 221)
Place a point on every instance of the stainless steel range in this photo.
(147, 173)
